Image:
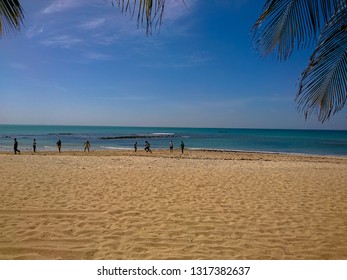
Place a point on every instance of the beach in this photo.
(200, 205)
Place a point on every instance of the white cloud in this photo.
(97, 56)
(33, 31)
(105, 39)
(195, 59)
(175, 9)
(199, 58)
(61, 5)
(64, 41)
(93, 24)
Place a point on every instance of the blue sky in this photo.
(81, 62)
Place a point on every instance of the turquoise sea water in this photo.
(316, 142)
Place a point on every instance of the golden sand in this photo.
(202, 205)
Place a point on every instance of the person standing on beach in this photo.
(135, 147)
(34, 145)
(15, 146)
(59, 145)
(86, 146)
(182, 147)
(171, 147)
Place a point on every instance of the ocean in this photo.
(311, 142)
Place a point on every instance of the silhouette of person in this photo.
(15, 146)
(182, 147)
(135, 147)
(59, 145)
(86, 146)
(34, 145)
(171, 147)
(148, 147)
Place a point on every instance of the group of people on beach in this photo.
(87, 146)
(59, 145)
(148, 147)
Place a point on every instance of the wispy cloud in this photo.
(195, 59)
(106, 27)
(175, 9)
(105, 39)
(64, 41)
(33, 31)
(61, 5)
(93, 23)
(97, 56)
(94, 26)
(199, 58)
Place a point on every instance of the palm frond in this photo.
(288, 24)
(148, 11)
(323, 85)
(11, 16)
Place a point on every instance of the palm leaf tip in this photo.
(11, 17)
(148, 11)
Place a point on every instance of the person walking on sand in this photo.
(135, 147)
(59, 145)
(171, 147)
(148, 147)
(34, 145)
(15, 146)
(182, 147)
(86, 146)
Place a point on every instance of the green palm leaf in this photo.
(288, 24)
(323, 84)
(11, 16)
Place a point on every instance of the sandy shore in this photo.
(203, 205)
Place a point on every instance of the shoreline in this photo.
(189, 153)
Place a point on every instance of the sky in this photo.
(83, 62)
